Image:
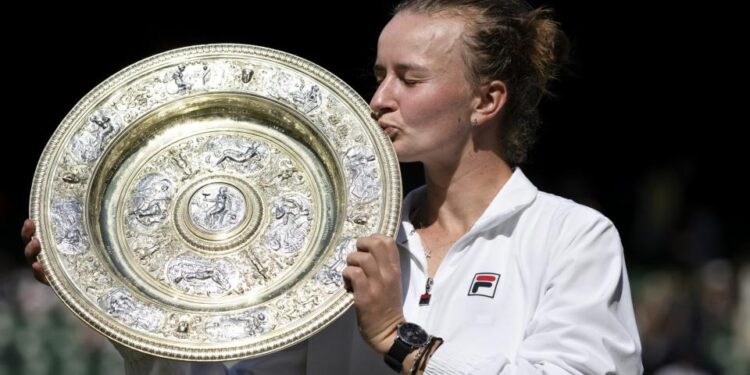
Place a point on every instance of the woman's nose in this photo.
(383, 99)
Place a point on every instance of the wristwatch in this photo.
(409, 336)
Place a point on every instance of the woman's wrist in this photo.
(417, 360)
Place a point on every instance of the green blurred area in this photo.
(690, 322)
(40, 336)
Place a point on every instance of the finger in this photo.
(39, 273)
(31, 250)
(382, 248)
(358, 281)
(392, 252)
(27, 230)
(347, 284)
(366, 262)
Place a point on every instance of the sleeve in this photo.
(584, 321)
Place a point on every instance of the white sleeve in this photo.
(584, 323)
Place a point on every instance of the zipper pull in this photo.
(424, 299)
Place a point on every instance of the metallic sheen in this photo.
(199, 204)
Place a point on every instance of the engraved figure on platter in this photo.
(204, 273)
(299, 302)
(151, 198)
(192, 77)
(67, 215)
(283, 85)
(122, 306)
(87, 145)
(287, 172)
(150, 212)
(147, 246)
(292, 89)
(331, 273)
(306, 101)
(134, 98)
(217, 207)
(105, 124)
(249, 154)
(178, 158)
(290, 224)
(180, 85)
(228, 328)
(361, 170)
(268, 264)
(201, 276)
(231, 152)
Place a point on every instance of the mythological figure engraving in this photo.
(293, 89)
(194, 77)
(178, 158)
(179, 80)
(89, 143)
(217, 207)
(361, 168)
(228, 328)
(151, 199)
(202, 276)
(247, 155)
(331, 273)
(291, 215)
(287, 172)
(67, 216)
(119, 304)
(235, 153)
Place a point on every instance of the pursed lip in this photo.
(388, 129)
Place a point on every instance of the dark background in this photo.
(641, 129)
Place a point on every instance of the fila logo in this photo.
(484, 284)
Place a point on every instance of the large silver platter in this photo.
(199, 204)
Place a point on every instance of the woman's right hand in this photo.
(32, 249)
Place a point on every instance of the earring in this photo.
(474, 123)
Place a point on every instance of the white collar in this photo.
(517, 194)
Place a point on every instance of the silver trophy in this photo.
(199, 204)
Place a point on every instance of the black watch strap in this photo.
(395, 356)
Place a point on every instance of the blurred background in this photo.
(640, 129)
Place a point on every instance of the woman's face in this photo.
(424, 101)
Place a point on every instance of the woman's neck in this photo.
(458, 193)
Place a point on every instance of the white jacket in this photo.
(537, 286)
(559, 302)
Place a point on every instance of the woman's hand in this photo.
(373, 274)
(32, 249)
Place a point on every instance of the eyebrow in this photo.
(401, 67)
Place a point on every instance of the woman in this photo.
(512, 279)
(492, 276)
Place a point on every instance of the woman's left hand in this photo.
(373, 274)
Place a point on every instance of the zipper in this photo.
(424, 299)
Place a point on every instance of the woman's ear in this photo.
(490, 100)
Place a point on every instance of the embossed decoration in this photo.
(199, 205)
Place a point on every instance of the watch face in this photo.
(412, 334)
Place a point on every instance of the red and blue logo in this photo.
(484, 284)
